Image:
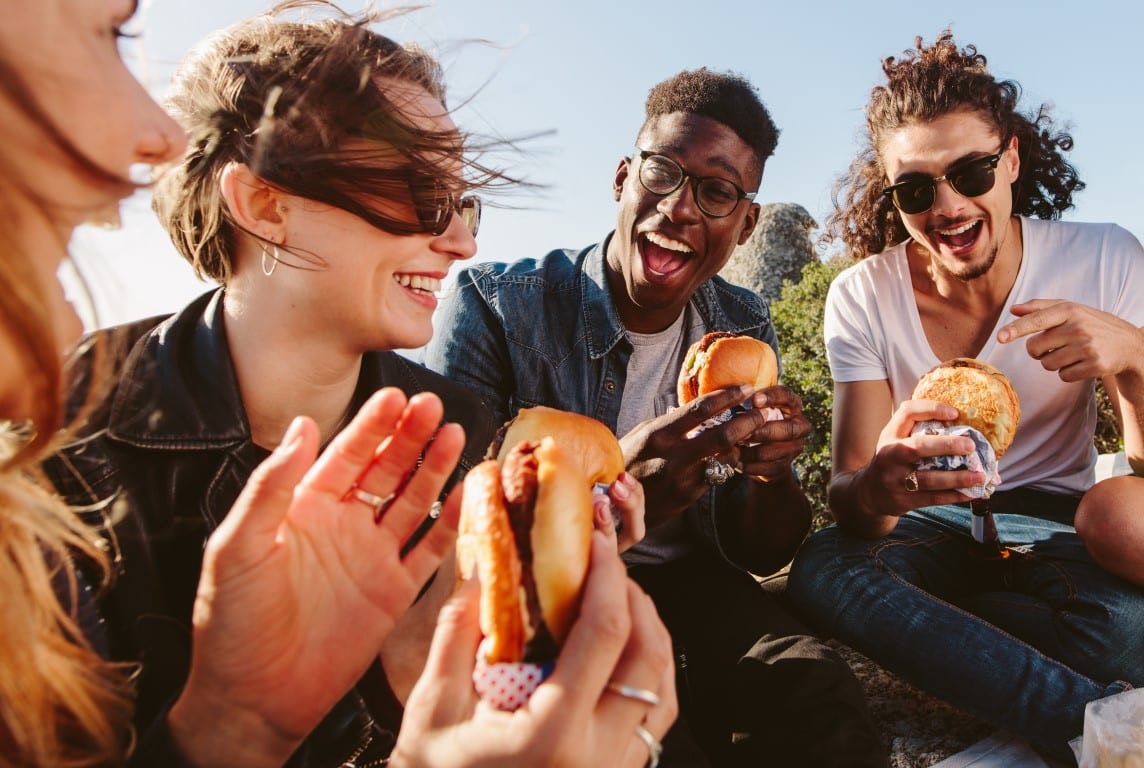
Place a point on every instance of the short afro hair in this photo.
(725, 97)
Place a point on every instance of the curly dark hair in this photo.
(726, 97)
(924, 84)
(301, 103)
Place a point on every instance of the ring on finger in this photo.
(635, 694)
(377, 503)
(910, 481)
(654, 747)
(716, 472)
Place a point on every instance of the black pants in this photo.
(755, 686)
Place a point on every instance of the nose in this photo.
(457, 241)
(160, 139)
(946, 199)
(680, 205)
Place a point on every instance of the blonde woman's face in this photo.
(66, 54)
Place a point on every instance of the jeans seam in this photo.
(884, 545)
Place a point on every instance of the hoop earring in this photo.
(268, 271)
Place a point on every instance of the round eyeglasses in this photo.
(716, 197)
(970, 178)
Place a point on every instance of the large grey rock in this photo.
(777, 250)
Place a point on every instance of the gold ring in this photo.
(642, 695)
(377, 503)
(910, 481)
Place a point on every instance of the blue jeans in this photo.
(1023, 642)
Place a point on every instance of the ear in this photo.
(254, 204)
(1013, 158)
(622, 171)
(749, 222)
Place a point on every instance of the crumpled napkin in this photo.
(1113, 732)
(983, 459)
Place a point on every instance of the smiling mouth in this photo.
(422, 284)
(961, 236)
(663, 255)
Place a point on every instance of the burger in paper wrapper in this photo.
(525, 531)
(988, 413)
(720, 360)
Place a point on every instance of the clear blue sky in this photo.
(582, 69)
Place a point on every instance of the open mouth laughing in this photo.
(663, 256)
(960, 237)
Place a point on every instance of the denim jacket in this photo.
(546, 332)
(159, 462)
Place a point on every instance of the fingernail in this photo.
(621, 491)
(745, 389)
(293, 435)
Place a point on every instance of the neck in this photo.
(988, 289)
(284, 372)
(634, 317)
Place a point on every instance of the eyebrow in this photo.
(968, 157)
(716, 161)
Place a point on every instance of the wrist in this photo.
(211, 731)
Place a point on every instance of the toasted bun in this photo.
(560, 537)
(583, 438)
(485, 544)
(983, 396)
(727, 361)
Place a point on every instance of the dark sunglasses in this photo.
(716, 197)
(971, 178)
(435, 211)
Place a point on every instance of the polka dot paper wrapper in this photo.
(506, 685)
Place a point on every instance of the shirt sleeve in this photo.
(469, 345)
(851, 348)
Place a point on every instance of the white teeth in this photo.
(957, 230)
(418, 282)
(667, 242)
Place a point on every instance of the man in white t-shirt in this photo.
(945, 211)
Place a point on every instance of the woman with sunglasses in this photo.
(947, 213)
(327, 189)
(74, 123)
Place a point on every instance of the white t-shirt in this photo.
(873, 332)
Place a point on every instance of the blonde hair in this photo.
(61, 704)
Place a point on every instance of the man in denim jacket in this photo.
(573, 329)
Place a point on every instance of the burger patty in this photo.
(520, 483)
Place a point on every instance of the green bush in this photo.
(797, 316)
(798, 322)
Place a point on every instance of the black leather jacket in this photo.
(160, 461)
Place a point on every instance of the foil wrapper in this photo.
(507, 685)
(771, 414)
(983, 459)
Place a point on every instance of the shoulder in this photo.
(1063, 236)
(462, 405)
(555, 266)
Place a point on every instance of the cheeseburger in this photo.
(722, 359)
(982, 395)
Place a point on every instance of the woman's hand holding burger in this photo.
(579, 717)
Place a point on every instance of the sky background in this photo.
(580, 71)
